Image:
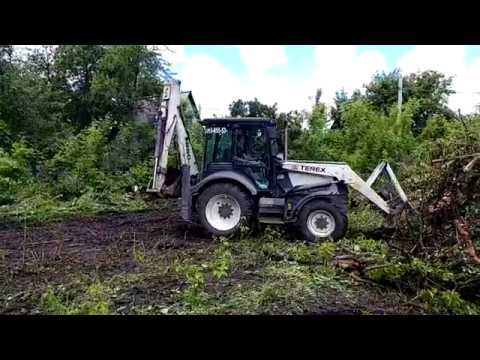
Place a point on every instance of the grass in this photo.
(264, 274)
(42, 207)
(221, 280)
(206, 285)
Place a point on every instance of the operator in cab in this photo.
(250, 152)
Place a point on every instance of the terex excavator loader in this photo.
(245, 175)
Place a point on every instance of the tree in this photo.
(252, 108)
(318, 95)
(42, 62)
(126, 74)
(5, 63)
(295, 120)
(6, 52)
(382, 91)
(29, 109)
(238, 108)
(102, 81)
(341, 98)
(430, 88)
(317, 118)
(302, 140)
(76, 66)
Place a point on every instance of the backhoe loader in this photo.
(245, 175)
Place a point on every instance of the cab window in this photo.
(218, 145)
(251, 144)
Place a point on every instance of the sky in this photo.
(290, 74)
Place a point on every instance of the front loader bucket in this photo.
(388, 193)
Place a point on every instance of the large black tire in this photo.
(338, 213)
(243, 199)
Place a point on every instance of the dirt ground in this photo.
(33, 257)
(88, 241)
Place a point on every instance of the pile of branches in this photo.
(453, 215)
(445, 194)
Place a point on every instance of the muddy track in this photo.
(94, 240)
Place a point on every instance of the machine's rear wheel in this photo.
(320, 220)
(221, 208)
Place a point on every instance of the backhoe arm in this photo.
(171, 123)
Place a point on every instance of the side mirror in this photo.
(279, 156)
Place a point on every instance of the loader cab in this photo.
(245, 145)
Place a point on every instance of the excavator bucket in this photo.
(172, 184)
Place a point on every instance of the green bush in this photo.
(367, 137)
(140, 174)
(75, 169)
(222, 261)
(447, 301)
(364, 219)
(133, 143)
(14, 171)
(193, 295)
(77, 298)
(5, 134)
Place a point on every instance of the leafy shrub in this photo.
(75, 169)
(14, 171)
(222, 261)
(447, 301)
(132, 144)
(413, 274)
(194, 294)
(4, 135)
(77, 299)
(364, 219)
(140, 174)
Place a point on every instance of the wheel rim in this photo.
(223, 212)
(321, 223)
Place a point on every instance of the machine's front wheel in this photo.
(320, 220)
(221, 208)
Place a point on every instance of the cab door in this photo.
(218, 150)
(251, 154)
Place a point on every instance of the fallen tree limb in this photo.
(360, 279)
(347, 262)
(373, 267)
(471, 164)
(455, 158)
